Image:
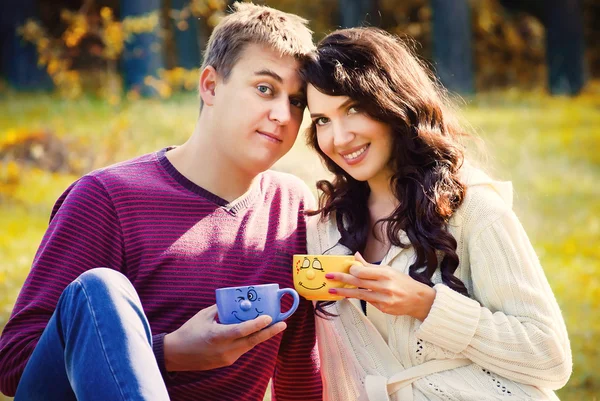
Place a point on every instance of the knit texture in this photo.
(510, 327)
(177, 243)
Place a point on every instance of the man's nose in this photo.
(281, 111)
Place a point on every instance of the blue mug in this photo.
(240, 304)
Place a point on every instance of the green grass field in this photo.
(548, 147)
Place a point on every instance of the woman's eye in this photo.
(265, 90)
(353, 110)
(321, 121)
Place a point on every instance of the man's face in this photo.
(258, 109)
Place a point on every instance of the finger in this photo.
(253, 340)
(360, 258)
(341, 277)
(210, 313)
(359, 293)
(241, 330)
(368, 272)
(347, 279)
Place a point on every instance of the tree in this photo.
(452, 48)
(19, 58)
(188, 35)
(565, 49)
(354, 12)
(143, 52)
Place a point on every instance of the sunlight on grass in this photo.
(548, 147)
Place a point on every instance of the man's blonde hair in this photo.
(285, 33)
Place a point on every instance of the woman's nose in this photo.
(342, 136)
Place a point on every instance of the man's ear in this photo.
(207, 84)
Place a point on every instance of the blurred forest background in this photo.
(86, 83)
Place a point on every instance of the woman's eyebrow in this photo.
(341, 106)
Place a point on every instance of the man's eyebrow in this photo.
(270, 73)
(341, 106)
(265, 71)
(301, 94)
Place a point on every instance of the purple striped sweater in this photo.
(177, 243)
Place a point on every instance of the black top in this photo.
(363, 303)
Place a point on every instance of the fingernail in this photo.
(328, 275)
(332, 291)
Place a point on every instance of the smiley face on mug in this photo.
(248, 304)
(309, 275)
(240, 304)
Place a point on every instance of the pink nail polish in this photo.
(329, 275)
(332, 291)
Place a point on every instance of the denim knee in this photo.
(102, 276)
(108, 282)
(108, 293)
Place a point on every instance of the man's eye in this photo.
(299, 103)
(264, 89)
(321, 121)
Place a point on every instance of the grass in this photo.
(548, 147)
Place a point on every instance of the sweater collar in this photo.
(232, 207)
(472, 176)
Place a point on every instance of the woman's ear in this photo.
(207, 85)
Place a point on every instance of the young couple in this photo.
(451, 302)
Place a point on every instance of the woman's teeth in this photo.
(354, 155)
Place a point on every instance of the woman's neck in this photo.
(381, 204)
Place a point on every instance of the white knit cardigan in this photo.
(507, 341)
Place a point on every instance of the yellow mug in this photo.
(309, 275)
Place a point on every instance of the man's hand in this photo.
(203, 344)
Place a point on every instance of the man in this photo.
(171, 227)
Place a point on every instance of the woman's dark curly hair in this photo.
(391, 85)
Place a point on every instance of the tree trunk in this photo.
(452, 49)
(354, 12)
(186, 35)
(19, 58)
(143, 52)
(565, 50)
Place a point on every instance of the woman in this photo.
(451, 302)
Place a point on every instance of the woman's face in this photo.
(359, 144)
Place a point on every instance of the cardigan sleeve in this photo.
(515, 328)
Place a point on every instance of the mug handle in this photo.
(294, 294)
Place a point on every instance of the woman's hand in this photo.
(386, 289)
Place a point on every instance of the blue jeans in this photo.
(97, 346)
